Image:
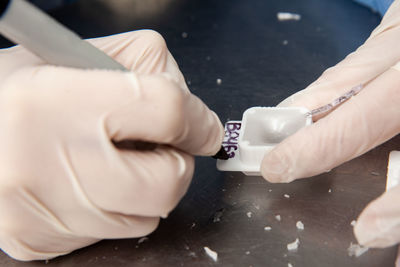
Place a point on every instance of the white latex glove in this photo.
(360, 124)
(63, 184)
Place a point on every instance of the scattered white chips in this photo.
(286, 196)
(294, 245)
(282, 16)
(278, 217)
(300, 225)
(211, 253)
(249, 214)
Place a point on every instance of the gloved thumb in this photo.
(379, 223)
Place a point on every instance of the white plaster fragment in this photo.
(219, 81)
(294, 245)
(289, 265)
(300, 225)
(249, 214)
(267, 228)
(141, 240)
(211, 253)
(330, 190)
(356, 250)
(353, 223)
(286, 196)
(278, 217)
(282, 16)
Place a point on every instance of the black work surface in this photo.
(241, 43)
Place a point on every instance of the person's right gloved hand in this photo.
(358, 125)
(63, 183)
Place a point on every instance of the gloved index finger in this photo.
(162, 112)
(127, 106)
(359, 125)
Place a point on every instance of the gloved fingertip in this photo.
(397, 264)
(274, 169)
(368, 231)
(365, 228)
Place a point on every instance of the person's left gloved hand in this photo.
(360, 124)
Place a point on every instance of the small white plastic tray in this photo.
(261, 128)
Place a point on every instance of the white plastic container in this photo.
(261, 128)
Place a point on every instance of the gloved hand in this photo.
(360, 124)
(63, 184)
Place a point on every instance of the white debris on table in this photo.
(282, 16)
(141, 240)
(219, 81)
(353, 223)
(294, 245)
(249, 214)
(267, 228)
(356, 250)
(330, 190)
(211, 253)
(286, 196)
(278, 217)
(300, 225)
(289, 265)
(247, 252)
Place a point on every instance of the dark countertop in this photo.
(241, 42)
